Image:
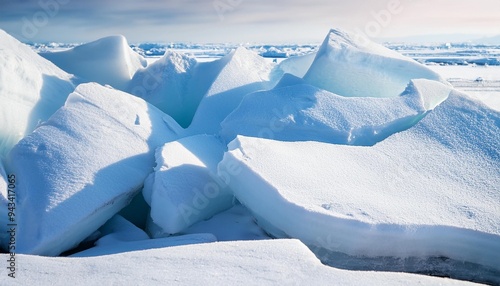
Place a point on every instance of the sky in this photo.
(244, 21)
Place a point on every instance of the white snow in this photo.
(297, 66)
(349, 66)
(412, 194)
(243, 72)
(184, 188)
(302, 112)
(120, 235)
(109, 61)
(31, 90)
(85, 163)
(266, 262)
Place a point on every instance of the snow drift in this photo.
(184, 188)
(429, 191)
(347, 66)
(267, 262)
(109, 61)
(31, 90)
(83, 165)
(302, 112)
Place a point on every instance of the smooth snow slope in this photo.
(184, 188)
(301, 112)
(348, 66)
(267, 262)
(31, 90)
(109, 60)
(432, 190)
(83, 165)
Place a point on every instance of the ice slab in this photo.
(185, 188)
(31, 90)
(4, 217)
(266, 262)
(350, 65)
(294, 111)
(243, 72)
(83, 165)
(431, 190)
(108, 61)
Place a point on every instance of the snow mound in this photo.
(267, 262)
(83, 165)
(108, 61)
(411, 195)
(243, 72)
(347, 66)
(185, 189)
(31, 90)
(120, 235)
(303, 112)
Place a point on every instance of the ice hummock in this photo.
(243, 72)
(265, 262)
(185, 189)
(349, 65)
(410, 195)
(4, 218)
(31, 90)
(83, 165)
(108, 61)
(295, 111)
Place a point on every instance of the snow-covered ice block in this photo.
(31, 90)
(431, 190)
(120, 235)
(350, 65)
(175, 84)
(243, 72)
(297, 66)
(109, 61)
(185, 188)
(265, 262)
(302, 112)
(83, 165)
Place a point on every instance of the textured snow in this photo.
(349, 66)
(109, 61)
(85, 163)
(266, 262)
(120, 235)
(410, 195)
(302, 112)
(31, 90)
(184, 188)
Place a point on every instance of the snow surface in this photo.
(410, 195)
(301, 112)
(265, 262)
(297, 66)
(185, 189)
(109, 61)
(31, 90)
(85, 163)
(351, 66)
(120, 235)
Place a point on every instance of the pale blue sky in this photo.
(241, 21)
